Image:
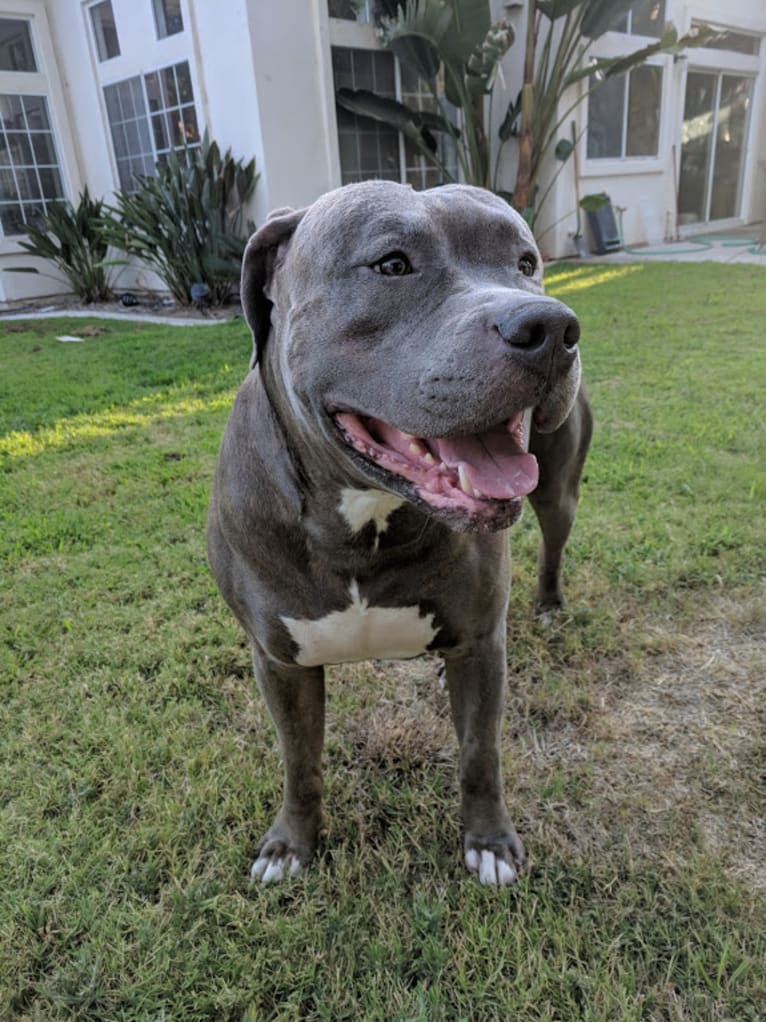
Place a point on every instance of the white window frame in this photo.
(142, 53)
(731, 62)
(612, 44)
(43, 82)
(631, 163)
(155, 153)
(94, 32)
(166, 35)
(629, 30)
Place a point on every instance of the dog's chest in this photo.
(361, 632)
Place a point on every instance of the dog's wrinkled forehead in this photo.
(366, 220)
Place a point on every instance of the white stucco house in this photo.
(95, 91)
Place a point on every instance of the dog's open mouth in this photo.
(470, 474)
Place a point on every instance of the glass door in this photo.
(713, 145)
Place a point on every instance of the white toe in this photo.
(259, 868)
(274, 872)
(506, 874)
(472, 860)
(487, 869)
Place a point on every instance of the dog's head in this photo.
(409, 330)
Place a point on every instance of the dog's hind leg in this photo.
(561, 457)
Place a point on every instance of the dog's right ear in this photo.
(257, 268)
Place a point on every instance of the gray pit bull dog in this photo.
(375, 454)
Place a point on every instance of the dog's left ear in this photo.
(257, 267)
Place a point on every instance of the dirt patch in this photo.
(682, 750)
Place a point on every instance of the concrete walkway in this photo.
(134, 317)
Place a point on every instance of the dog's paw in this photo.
(497, 862)
(273, 866)
(548, 608)
(276, 860)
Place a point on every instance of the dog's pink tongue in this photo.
(492, 462)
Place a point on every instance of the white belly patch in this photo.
(361, 632)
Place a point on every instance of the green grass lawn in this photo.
(138, 765)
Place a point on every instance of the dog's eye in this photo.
(528, 264)
(395, 264)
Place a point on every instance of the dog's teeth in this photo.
(477, 493)
(429, 459)
(416, 448)
(465, 483)
(443, 467)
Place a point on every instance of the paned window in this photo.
(16, 53)
(171, 105)
(418, 171)
(149, 116)
(645, 17)
(168, 17)
(624, 115)
(105, 30)
(370, 149)
(30, 178)
(129, 124)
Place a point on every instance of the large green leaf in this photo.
(428, 35)
(380, 108)
(467, 29)
(669, 42)
(508, 126)
(415, 36)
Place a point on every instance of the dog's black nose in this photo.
(540, 328)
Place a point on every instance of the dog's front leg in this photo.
(295, 698)
(476, 681)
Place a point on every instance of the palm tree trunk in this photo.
(526, 141)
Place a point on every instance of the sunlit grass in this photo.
(568, 281)
(79, 429)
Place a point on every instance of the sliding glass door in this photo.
(714, 142)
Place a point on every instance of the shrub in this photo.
(73, 239)
(186, 223)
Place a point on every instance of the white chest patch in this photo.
(359, 507)
(361, 632)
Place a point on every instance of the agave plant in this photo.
(73, 239)
(187, 222)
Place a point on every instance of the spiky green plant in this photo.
(73, 239)
(187, 222)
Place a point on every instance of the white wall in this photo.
(293, 83)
